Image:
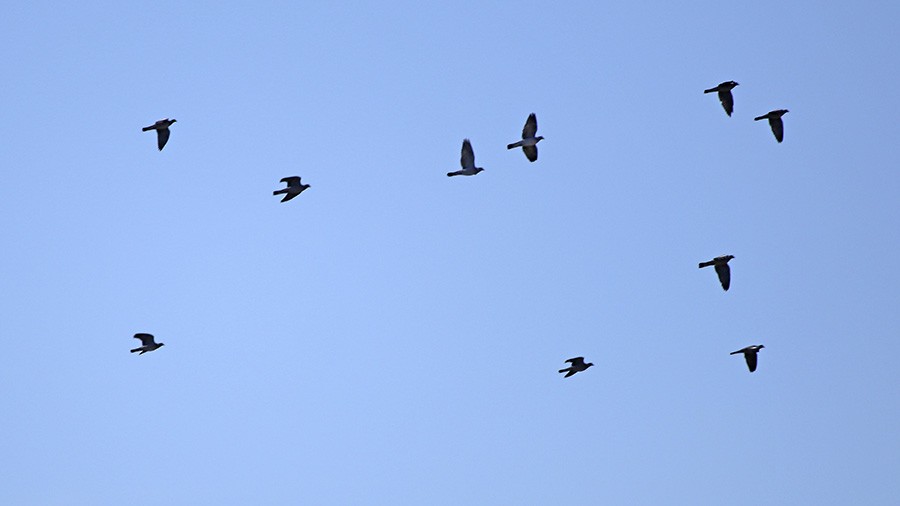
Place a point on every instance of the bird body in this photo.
(749, 355)
(147, 343)
(722, 269)
(294, 188)
(162, 131)
(577, 366)
(529, 140)
(724, 92)
(467, 161)
(775, 122)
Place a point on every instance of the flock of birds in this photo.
(528, 143)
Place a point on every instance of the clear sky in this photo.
(392, 336)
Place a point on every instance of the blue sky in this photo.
(392, 336)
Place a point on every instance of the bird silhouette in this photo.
(724, 91)
(578, 365)
(147, 343)
(775, 122)
(529, 141)
(722, 269)
(162, 131)
(467, 160)
(749, 355)
(294, 188)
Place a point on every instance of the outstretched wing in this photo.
(162, 137)
(777, 127)
(530, 127)
(751, 360)
(146, 339)
(724, 273)
(727, 101)
(291, 180)
(577, 361)
(467, 156)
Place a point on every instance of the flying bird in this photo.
(529, 141)
(162, 131)
(749, 355)
(294, 188)
(724, 91)
(467, 160)
(147, 343)
(578, 365)
(775, 122)
(722, 269)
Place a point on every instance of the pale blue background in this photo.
(392, 336)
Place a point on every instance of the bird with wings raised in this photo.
(148, 343)
(529, 141)
(577, 366)
(294, 188)
(467, 161)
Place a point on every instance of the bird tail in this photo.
(735, 352)
(710, 90)
(451, 174)
(146, 128)
(705, 264)
(760, 117)
(279, 192)
(136, 350)
(514, 145)
(564, 370)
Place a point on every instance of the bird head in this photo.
(782, 112)
(728, 257)
(539, 138)
(478, 169)
(760, 347)
(589, 364)
(162, 344)
(172, 120)
(732, 83)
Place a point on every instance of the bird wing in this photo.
(777, 128)
(727, 101)
(530, 152)
(146, 339)
(724, 273)
(162, 137)
(291, 180)
(577, 361)
(467, 156)
(751, 360)
(530, 127)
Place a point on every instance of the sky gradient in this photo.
(392, 336)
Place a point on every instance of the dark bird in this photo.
(578, 365)
(147, 343)
(294, 188)
(749, 355)
(724, 91)
(467, 160)
(162, 131)
(775, 122)
(529, 141)
(722, 269)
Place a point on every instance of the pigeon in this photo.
(722, 269)
(724, 91)
(467, 160)
(147, 342)
(749, 355)
(775, 122)
(578, 365)
(294, 188)
(162, 131)
(529, 141)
